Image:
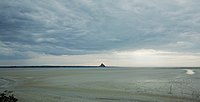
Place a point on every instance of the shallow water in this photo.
(102, 85)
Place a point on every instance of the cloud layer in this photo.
(75, 27)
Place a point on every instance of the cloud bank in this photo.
(77, 27)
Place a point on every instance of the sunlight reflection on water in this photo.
(189, 71)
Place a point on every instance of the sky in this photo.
(138, 33)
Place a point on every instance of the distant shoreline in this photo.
(48, 66)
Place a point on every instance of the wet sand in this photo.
(102, 85)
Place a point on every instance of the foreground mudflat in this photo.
(102, 85)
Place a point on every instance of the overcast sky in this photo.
(88, 32)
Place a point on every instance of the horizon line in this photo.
(59, 66)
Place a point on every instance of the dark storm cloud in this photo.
(68, 27)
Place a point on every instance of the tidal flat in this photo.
(102, 84)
